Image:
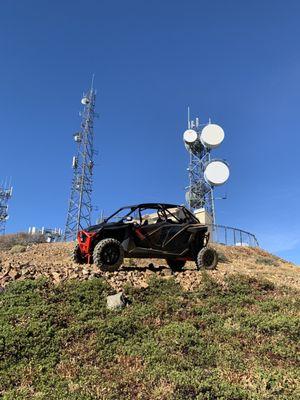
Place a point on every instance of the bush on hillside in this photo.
(7, 242)
(267, 261)
(222, 257)
(18, 248)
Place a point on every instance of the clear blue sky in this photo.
(237, 62)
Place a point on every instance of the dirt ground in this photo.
(53, 260)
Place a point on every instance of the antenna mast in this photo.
(5, 196)
(204, 172)
(200, 194)
(80, 202)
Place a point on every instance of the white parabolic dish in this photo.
(212, 136)
(190, 136)
(85, 101)
(216, 173)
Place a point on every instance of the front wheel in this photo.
(207, 258)
(77, 256)
(175, 265)
(108, 254)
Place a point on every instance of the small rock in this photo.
(167, 272)
(6, 265)
(73, 275)
(5, 280)
(149, 272)
(116, 301)
(143, 285)
(4, 275)
(14, 274)
(56, 277)
(26, 272)
(85, 272)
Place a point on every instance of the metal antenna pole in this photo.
(189, 119)
(5, 196)
(80, 202)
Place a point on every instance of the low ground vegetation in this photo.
(267, 261)
(232, 340)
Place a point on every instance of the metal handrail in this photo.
(232, 236)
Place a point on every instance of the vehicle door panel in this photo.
(152, 234)
(174, 237)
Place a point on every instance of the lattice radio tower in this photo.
(80, 203)
(5, 195)
(205, 173)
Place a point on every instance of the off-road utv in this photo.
(149, 230)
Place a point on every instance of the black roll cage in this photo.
(164, 208)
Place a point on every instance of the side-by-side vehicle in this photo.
(150, 230)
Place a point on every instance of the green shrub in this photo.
(242, 284)
(18, 248)
(222, 257)
(267, 261)
(209, 286)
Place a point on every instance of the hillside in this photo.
(229, 334)
(54, 262)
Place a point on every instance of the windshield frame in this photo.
(130, 208)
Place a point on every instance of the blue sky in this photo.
(236, 62)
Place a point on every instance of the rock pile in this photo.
(53, 261)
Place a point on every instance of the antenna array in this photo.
(80, 202)
(204, 172)
(5, 196)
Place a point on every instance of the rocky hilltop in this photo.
(53, 260)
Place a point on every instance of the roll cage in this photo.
(167, 212)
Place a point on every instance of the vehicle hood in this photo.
(98, 227)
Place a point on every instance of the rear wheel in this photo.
(175, 265)
(77, 256)
(108, 254)
(207, 258)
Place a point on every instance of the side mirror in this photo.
(128, 220)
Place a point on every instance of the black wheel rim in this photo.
(110, 254)
(208, 258)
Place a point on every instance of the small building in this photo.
(203, 216)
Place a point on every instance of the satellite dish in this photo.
(191, 141)
(190, 136)
(85, 101)
(212, 136)
(216, 173)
